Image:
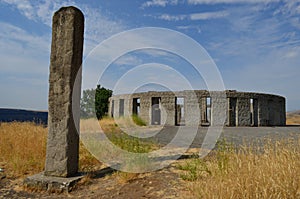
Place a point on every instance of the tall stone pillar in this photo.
(66, 59)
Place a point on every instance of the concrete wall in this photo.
(250, 109)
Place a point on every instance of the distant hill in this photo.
(10, 115)
(294, 112)
(293, 118)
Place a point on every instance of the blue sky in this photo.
(254, 43)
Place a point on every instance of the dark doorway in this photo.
(121, 108)
(206, 111)
(254, 112)
(136, 106)
(112, 108)
(232, 112)
(156, 112)
(180, 112)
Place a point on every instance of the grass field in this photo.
(225, 173)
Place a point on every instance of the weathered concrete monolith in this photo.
(62, 156)
(66, 60)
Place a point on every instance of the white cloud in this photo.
(189, 27)
(38, 10)
(208, 15)
(161, 3)
(168, 17)
(22, 52)
(290, 7)
(194, 16)
(195, 2)
(24, 6)
(164, 3)
(98, 26)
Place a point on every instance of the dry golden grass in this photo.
(293, 119)
(23, 150)
(248, 174)
(106, 124)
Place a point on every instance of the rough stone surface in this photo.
(249, 109)
(66, 60)
(51, 184)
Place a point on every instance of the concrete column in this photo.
(66, 58)
(219, 108)
(282, 112)
(243, 112)
(145, 108)
(263, 115)
(168, 105)
(192, 110)
(128, 106)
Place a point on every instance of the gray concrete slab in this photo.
(50, 183)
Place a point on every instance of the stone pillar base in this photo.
(50, 183)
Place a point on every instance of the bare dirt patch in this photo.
(165, 183)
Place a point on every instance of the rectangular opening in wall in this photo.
(232, 116)
(179, 112)
(112, 108)
(155, 111)
(121, 107)
(208, 110)
(254, 112)
(136, 106)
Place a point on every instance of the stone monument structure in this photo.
(179, 108)
(64, 98)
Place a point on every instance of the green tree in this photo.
(87, 103)
(94, 102)
(101, 101)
